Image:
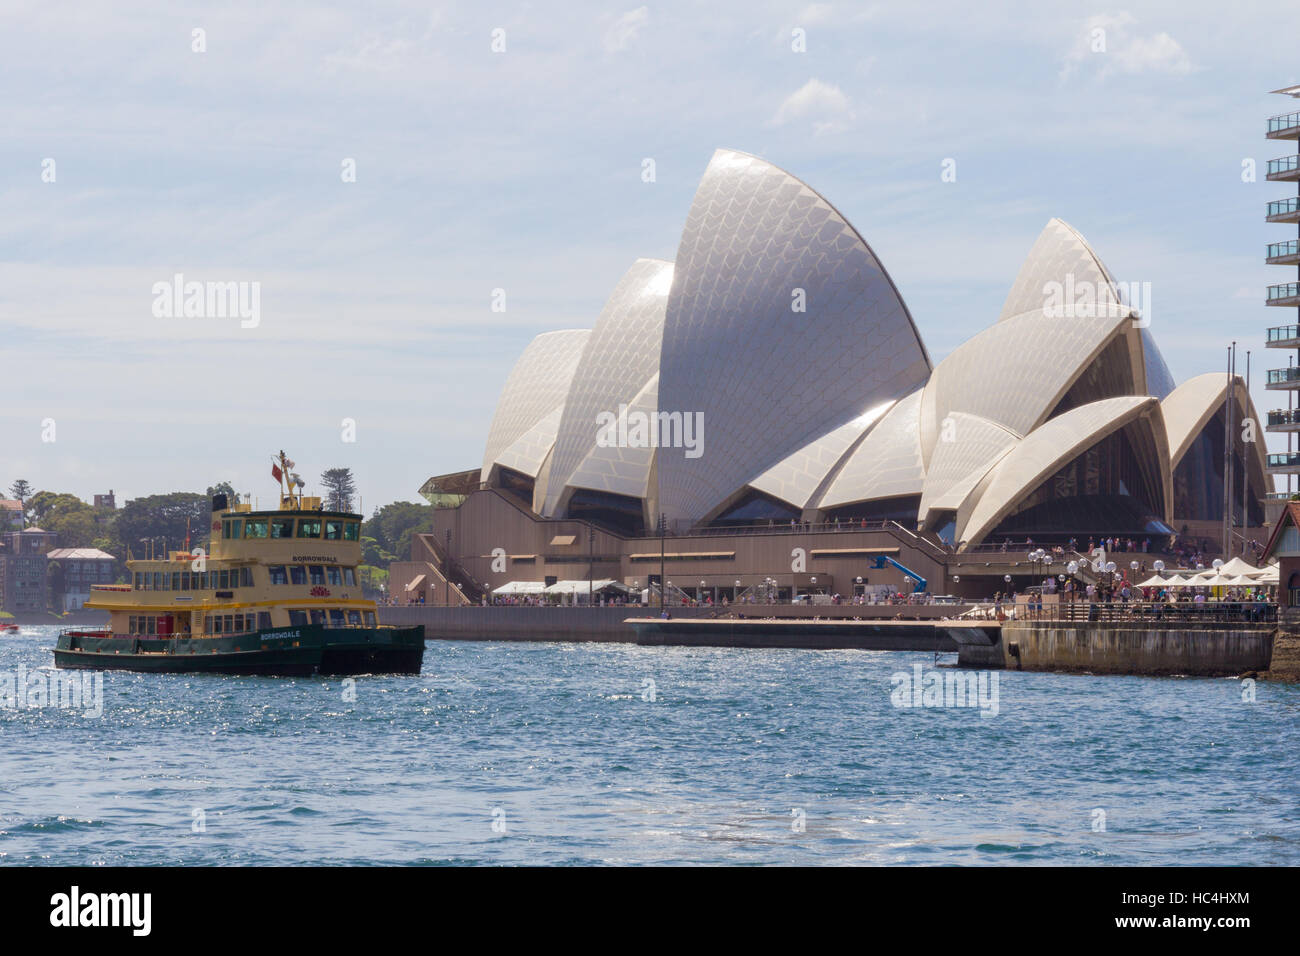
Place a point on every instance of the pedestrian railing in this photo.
(1159, 613)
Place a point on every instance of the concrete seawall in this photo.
(505, 623)
(1106, 648)
(878, 635)
(521, 623)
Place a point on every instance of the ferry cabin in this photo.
(266, 569)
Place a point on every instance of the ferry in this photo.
(276, 593)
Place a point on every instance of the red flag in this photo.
(276, 473)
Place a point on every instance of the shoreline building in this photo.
(1286, 295)
(685, 438)
(23, 570)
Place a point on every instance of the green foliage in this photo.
(223, 488)
(164, 516)
(76, 523)
(21, 489)
(392, 527)
(340, 489)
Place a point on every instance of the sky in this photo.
(379, 169)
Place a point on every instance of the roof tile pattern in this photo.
(768, 377)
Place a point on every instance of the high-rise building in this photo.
(1285, 295)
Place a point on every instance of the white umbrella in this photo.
(1155, 581)
(1239, 567)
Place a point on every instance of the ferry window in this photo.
(231, 529)
(207, 624)
(297, 618)
(245, 577)
(216, 624)
(263, 620)
(333, 530)
(157, 581)
(176, 581)
(297, 574)
(281, 527)
(223, 579)
(354, 618)
(130, 627)
(166, 581)
(255, 528)
(335, 576)
(349, 577)
(135, 581)
(277, 574)
(151, 625)
(352, 531)
(318, 617)
(309, 527)
(317, 574)
(185, 580)
(336, 617)
(370, 619)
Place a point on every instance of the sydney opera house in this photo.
(771, 382)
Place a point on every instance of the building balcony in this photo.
(1283, 337)
(1284, 126)
(1283, 378)
(1284, 210)
(1283, 253)
(1286, 294)
(1283, 169)
(1283, 420)
(1286, 463)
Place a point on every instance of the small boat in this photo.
(8, 627)
(277, 593)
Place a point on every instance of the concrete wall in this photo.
(1121, 649)
(489, 520)
(522, 623)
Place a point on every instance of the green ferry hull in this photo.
(279, 652)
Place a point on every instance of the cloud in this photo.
(624, 30)
(824, 103)
(1109, 44)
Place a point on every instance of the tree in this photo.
(75, 522)
(164, 516)
(21, 490)
(224, 488)
(392, 527)
(339, 489)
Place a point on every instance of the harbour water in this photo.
(513, 753)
